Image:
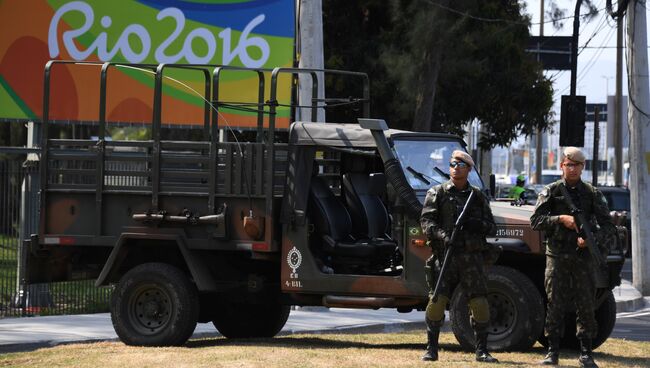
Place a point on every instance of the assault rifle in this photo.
(584, 231)
(450, 245)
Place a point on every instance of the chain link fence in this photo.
(18, 220)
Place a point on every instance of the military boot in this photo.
(433, 332)
(586, 360)
(482, 354)
(553, 355)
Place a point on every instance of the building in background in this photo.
(508, 162)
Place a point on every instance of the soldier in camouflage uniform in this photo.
(569, 266)
(442, 206)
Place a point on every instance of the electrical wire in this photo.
(593, 59)
(500, 20)
(241, 153)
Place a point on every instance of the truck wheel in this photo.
(605, 317)
(154, 304)
(239, 320)
(516, 312)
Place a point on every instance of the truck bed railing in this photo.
(167, 168)
(185, 168)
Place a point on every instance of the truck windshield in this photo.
(423, 156)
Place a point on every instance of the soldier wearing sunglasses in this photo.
(442, 206)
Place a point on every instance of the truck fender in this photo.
(199, 271)
(510, 244)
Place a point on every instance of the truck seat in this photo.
(362, 194)
(333, 221)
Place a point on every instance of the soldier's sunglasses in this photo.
(456, 164)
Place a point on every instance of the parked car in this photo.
(618, 199)
(550, 176)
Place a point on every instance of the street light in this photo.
(606, 85)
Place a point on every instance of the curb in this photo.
(630, 305)
(628, 298)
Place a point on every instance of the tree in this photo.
(443, 63)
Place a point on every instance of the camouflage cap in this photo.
(463, 156)
(574, 154)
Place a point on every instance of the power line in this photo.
(599, 27)
(596, 56)
(590, 63)
(501, 20)
(606, 47)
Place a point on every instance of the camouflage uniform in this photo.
(569, 270)
(442, 206)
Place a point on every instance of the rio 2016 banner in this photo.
(243, 33)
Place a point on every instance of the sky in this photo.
(596, 62)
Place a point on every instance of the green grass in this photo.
(8, 268)
(328, 350)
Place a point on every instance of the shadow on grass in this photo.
(315, 342)
(621, 360)
(312, 342)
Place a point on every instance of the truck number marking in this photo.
(510, 233)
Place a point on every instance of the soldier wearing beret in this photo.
(442, 206)
(569, 266)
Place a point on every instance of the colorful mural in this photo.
(246, 33)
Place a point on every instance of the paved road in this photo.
(633, 325)
(626, 272)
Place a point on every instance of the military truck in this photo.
(235, 233)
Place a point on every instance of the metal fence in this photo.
(18, 220)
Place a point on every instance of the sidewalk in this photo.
(628, 298)
(19, 334)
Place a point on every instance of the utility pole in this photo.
(639, 121)
(485, 158)
(594, 158)
(538, 132)
(574, 48)
(618, 105)
(310, 56)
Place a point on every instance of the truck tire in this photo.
(606, 318)
(239, 320)
(516, 312)
(154, 304)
